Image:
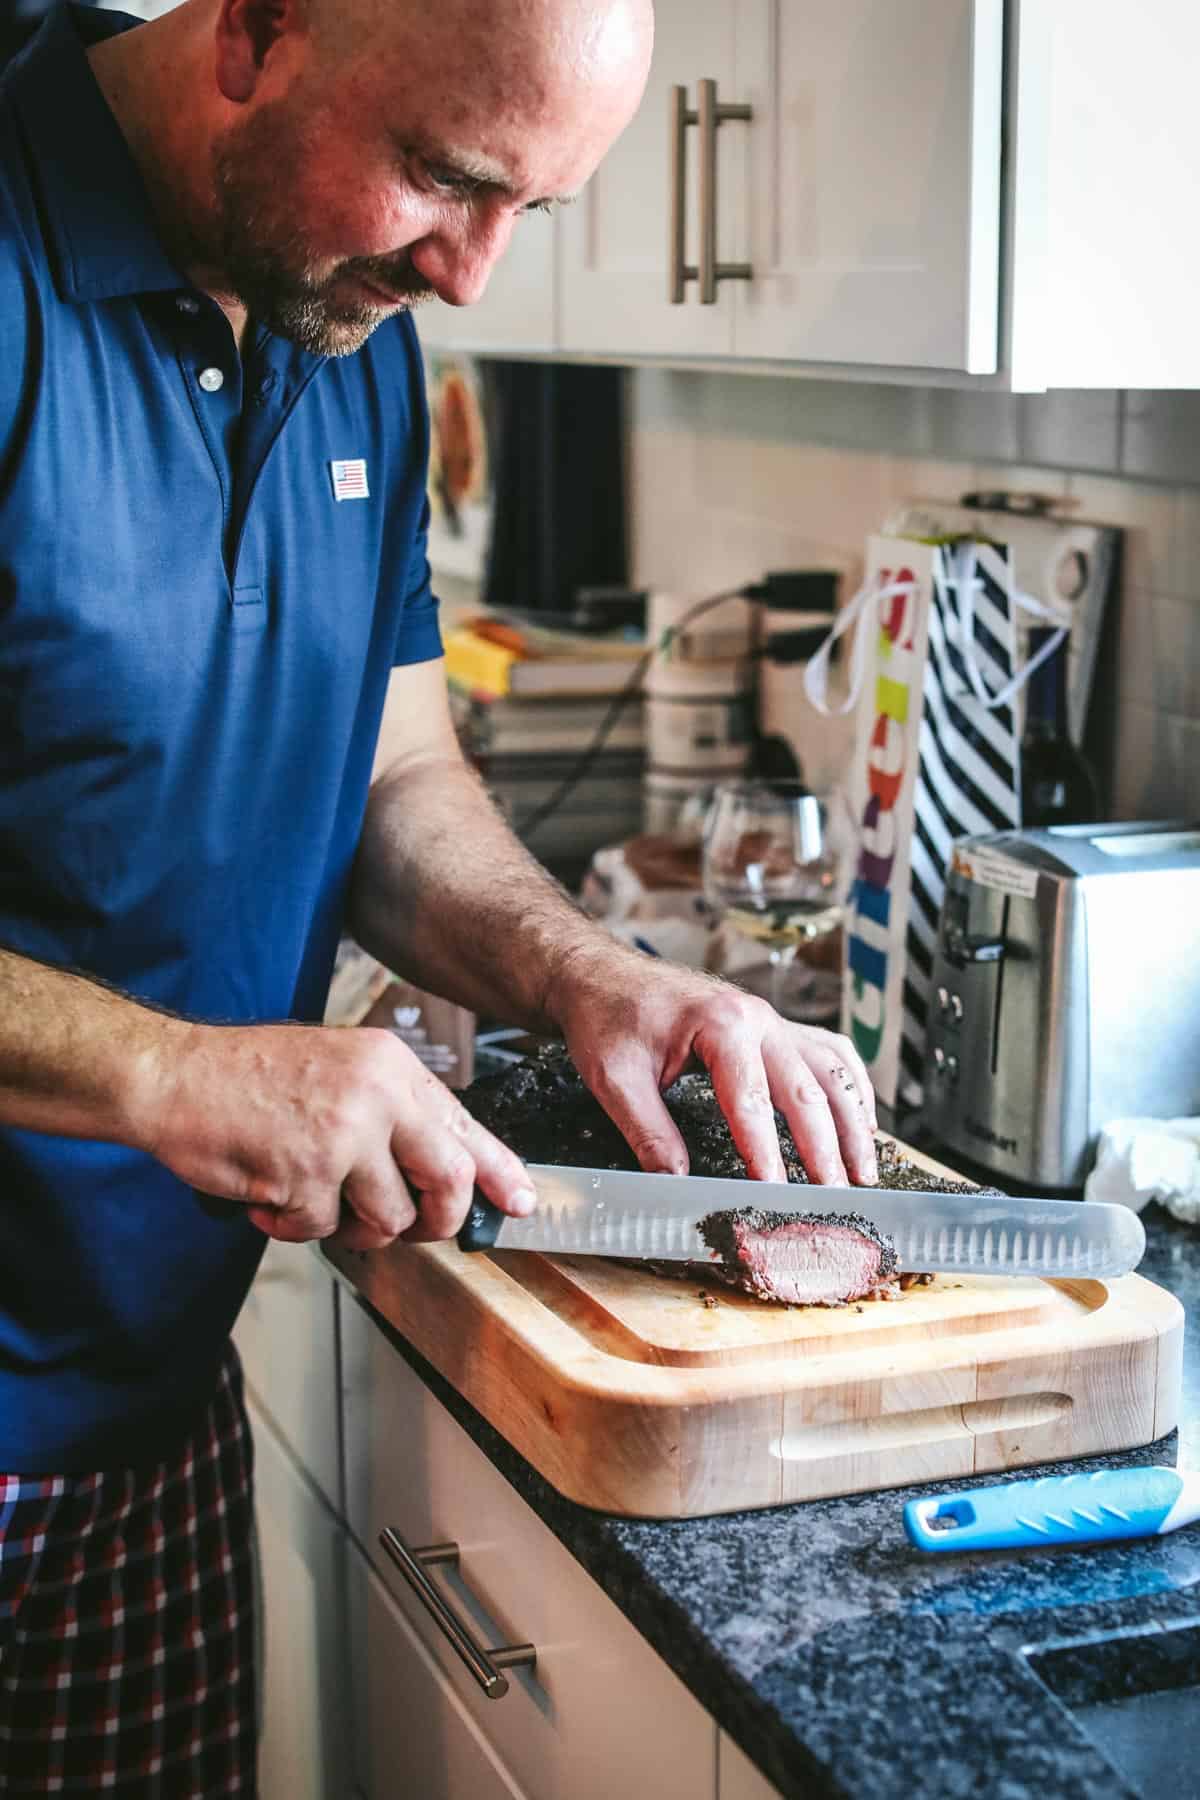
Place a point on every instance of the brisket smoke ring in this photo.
(542, 1109)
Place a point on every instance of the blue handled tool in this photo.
(1057, 1509)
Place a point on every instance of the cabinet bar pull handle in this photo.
(710, 113)
(679, 117)
(485, 1665)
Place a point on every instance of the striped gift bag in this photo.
(936, 756)
(968, 774)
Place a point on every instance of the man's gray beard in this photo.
(298, 310)
(266, 282)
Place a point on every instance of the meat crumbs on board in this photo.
(542, 1110)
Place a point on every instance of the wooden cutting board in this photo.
(630, 1394)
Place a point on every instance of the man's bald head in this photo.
(589, 41)
(377, 150)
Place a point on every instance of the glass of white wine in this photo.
(775, 863)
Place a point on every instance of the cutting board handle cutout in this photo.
(935, 1425)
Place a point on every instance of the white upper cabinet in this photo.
(991, 191)
(852, 217)
(873, 184)
(1106, 253)
(615, 242)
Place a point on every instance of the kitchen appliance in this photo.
(611, 1212)
(655, 1398)
(1065, 993)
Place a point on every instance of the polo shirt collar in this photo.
(99, 226)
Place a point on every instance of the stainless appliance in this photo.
(1065, 993)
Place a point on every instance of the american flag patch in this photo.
(350, 479)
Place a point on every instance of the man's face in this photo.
(357, 193)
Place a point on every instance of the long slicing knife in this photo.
(607, 1212)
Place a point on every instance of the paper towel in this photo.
(1149, 1159)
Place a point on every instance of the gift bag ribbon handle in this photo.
(857, 616)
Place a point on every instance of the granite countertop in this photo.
(844, 1662)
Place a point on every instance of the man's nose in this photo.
(457, 262)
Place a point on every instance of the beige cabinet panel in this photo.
(413, 1739)
(737, 1777)
(286, 1335)
(874, 181)
(304, 1669)
(601, 1715)
(613, 243)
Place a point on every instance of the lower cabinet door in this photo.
(600, 1716)
(413, 1739)
(303, 1636)
(286, 1336)
(737, 1777)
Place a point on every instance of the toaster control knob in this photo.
(952, 1067)
(939, 1060)
(956, 1007)
(943, 1000)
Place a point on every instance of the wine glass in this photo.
(774, 865)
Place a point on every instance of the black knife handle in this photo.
(482, 1225)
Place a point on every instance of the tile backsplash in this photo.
(731, 475)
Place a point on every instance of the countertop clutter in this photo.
(844, 1662)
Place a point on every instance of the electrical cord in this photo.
(632, 685)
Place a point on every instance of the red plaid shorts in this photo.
(127, 1622)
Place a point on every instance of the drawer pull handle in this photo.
(709, 113)
(485, 1665)
(679, 272)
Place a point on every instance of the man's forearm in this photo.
(446, 896)
(75, 1055)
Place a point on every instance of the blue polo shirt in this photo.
(196, 634)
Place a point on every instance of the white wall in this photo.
(731, 475)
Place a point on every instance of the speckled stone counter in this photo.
(844, 1662)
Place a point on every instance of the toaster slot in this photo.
(998, 997)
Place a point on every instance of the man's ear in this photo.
(246, 32)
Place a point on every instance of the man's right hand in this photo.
(323, 1132)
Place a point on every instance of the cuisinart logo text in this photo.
(994, 1138)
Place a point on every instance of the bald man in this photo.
(224, 737)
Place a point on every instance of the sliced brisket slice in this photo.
(801, 1259)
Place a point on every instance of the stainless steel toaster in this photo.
(1065, 993)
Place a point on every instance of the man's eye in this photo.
(538, 206)
(449, 180)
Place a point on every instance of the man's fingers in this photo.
(734, 1061)
(499, 1172)
(853, 1066)
(445, 1159)
(627, 1089)
(359, 1234)
(854, 1133)
(815, 1090)
(375, 1204)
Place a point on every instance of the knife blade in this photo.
(611, 1212)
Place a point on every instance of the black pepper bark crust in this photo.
(541, 1109)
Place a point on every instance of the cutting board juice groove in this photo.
(631, 1396)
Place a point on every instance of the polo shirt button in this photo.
(210, 380)
(186, 304)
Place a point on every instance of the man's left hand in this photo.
(633, 1025)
